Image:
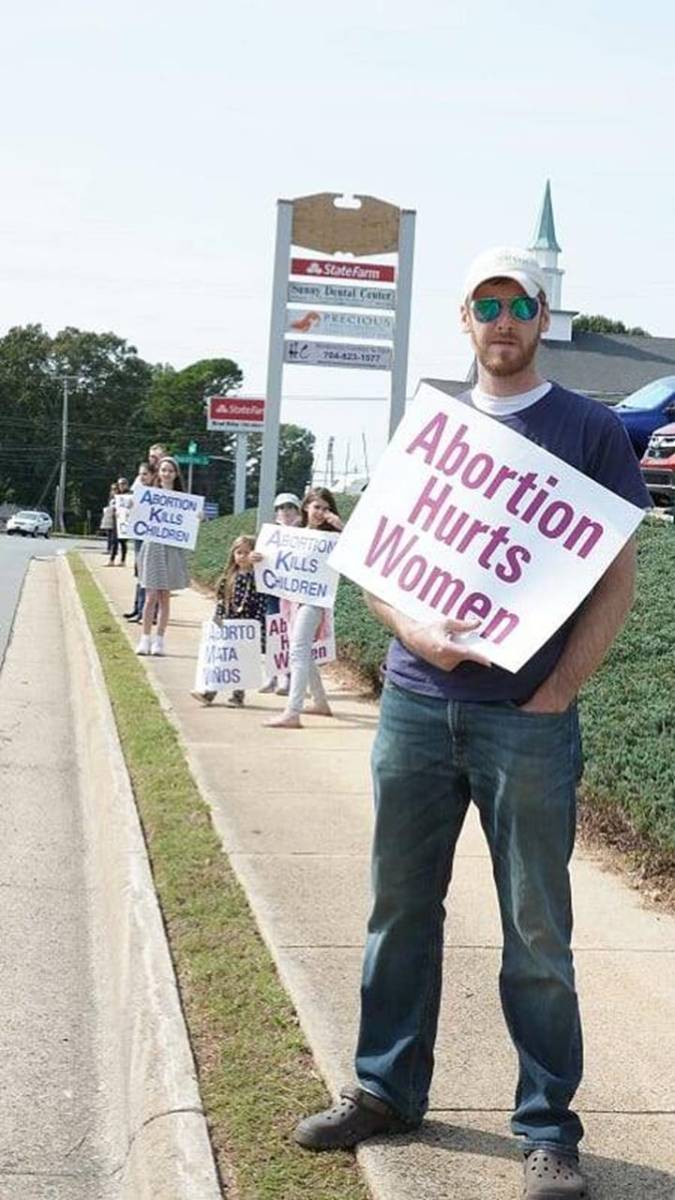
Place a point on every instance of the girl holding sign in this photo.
(122, 504)
(161, 570)
(146, 476)
(318, 511)
(286, 512)
(237, 599)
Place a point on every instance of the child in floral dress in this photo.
(237, 599)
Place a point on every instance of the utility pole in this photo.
(241, 458)
(329, 472)
(275, 363)
(60, 513)
(192, 450)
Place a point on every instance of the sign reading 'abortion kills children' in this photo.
(295, 565)
(229, 656)
(465, 518)
(161, 515)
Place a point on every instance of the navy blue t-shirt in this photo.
(589, 437)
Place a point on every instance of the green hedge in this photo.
(213, 547)
(628, 708)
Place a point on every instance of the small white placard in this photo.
(278, 640)
(229, 656)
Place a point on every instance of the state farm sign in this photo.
(235, 414)
(335, 268)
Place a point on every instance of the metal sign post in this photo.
(191, 459)
(399, 374)
(241, 457)
(275, 363)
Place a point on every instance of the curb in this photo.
(369, 1158)
(160, 1131)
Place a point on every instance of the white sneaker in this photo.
(143, 646)
(157, 644)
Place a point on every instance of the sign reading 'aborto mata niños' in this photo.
(229, 656)
(164, 516)
(465, 518)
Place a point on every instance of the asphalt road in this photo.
(15, 554)
(56, 1137)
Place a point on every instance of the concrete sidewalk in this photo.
(293, 809)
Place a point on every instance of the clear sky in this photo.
(144, 146)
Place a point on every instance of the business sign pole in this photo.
(369, 229)
(399, 373)
(275, 363)
(241, 456)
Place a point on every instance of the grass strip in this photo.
(256, 1073)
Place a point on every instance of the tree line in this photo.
(597, 323)
(118, 405)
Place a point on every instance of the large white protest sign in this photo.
(164, 516)
(295, 565)
(278, 636)
(229, 656)
(465, 518)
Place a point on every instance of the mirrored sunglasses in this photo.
(523, 308)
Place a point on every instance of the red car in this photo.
(658, 463)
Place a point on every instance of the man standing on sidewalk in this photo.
(452, 729)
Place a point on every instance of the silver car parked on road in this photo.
(30, 524)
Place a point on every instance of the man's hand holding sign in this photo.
(439, 642)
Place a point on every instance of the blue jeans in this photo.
(430, 759)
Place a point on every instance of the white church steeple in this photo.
(545, 249)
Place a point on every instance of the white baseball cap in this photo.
(287, 498)
(506, 262)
